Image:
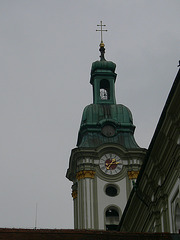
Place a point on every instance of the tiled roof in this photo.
(55, 234)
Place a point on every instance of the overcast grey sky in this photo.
(47, 48)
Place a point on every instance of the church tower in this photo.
(107, 159)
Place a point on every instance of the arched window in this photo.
(104, 89)
(112, 219)
(177, 218)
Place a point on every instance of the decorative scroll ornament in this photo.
(74, 194)
(133, 174)
(85, 174)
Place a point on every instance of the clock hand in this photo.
(112, 162)
(109, 165)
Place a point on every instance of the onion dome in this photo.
(106, 124)
(102, 65)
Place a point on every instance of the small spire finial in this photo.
(102, 49)
(179, 64)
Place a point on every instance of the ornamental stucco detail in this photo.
(85, 174)
(133, 174)
(74, 194)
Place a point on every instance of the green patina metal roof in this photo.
(104, 111)
(103, 65)
(93, 140)
(95, 116)
(96, 113)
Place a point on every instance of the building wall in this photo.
(91, 200)
(105, 201)
(174, 206)
(157, 192)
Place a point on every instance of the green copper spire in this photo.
(103, 77)
(104, 121)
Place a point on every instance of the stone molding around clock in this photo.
(85, 174)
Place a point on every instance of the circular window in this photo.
(108, 131)
(111, 190)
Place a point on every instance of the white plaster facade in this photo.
(91, 201)
(105, 201)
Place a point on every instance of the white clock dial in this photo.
(110, 164)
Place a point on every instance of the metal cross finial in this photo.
(101, 30)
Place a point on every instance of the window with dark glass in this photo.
(111, 191)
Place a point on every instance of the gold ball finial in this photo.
(101, 44)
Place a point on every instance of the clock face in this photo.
(108, 131)
(110, 164)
